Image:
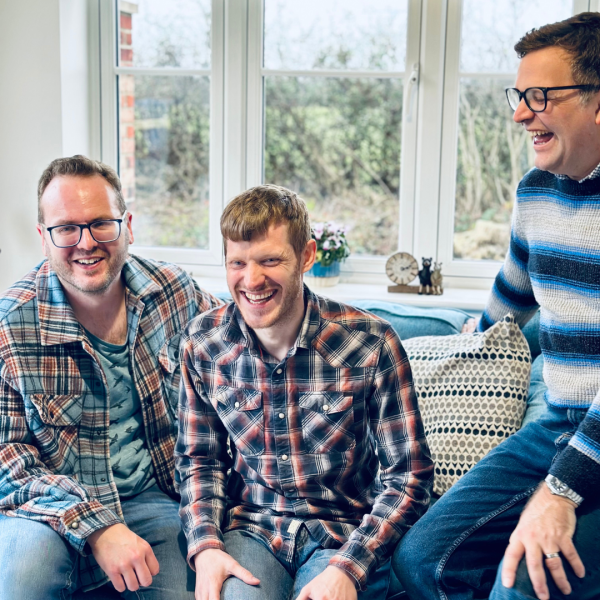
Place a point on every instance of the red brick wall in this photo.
(127, 111)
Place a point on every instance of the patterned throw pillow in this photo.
(472, 391)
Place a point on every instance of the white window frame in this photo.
(475, 273)
(429, 146)
(358, 269)
(109, 72)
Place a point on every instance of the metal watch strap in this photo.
(558, 488)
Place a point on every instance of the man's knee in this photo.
(36, 561)
(407, 558)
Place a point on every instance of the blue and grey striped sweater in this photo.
(554, 263)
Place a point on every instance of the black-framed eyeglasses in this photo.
(536, 98)
(102, 231)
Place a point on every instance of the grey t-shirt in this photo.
(129, 455)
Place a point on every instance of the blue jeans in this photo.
(36, 563)
(283, 580)
(455, 549)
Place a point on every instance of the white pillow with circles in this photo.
(472, 391)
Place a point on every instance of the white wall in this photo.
(35, 117)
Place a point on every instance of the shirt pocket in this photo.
(241, 412)
(168, 358)
(55, 425)
(327, 422)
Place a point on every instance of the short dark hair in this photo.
(79, 166)
(579, 36)
(252, 212)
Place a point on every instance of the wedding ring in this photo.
(552, 555)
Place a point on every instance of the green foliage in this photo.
(172, 161)
(337, 143)
(492, 155)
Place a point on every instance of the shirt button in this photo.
(281, 416)
(102, 478)
(284, 457)
(75, 525)
(279, 371)
(325, 407)
(237, 404)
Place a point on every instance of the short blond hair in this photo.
(252, 212)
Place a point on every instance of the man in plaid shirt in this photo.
(89, 377)
(301, 458)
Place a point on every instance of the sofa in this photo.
(415, 322)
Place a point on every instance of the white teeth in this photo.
(88, 261)
(536, 133)
(258, 297)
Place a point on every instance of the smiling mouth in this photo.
(258, 299)
(540, 137)
(88, 262)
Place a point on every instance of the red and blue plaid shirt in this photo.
(330, 437)
(54, 410)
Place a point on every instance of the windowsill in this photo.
(470, 300)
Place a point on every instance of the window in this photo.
(334, 75)
(388, 116)
(161, 75)
(490, 153)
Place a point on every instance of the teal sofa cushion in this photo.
(414, 321)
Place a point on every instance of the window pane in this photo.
(164, 146)
(337, 143)
(493, 152)
(491, 29)
(161, 33)
(336, 34)
(493, 156)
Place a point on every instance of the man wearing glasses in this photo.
(533, 503)
(88, 401)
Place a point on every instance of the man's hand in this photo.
(213, 567)
(331, 584)
(470, 325)
(546, 526)
(125, 557)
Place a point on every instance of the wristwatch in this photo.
(558, 488)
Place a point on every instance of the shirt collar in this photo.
(312, 320)
(593, 175)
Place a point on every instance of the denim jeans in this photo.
(37, 564)
(285, 580)
(455, 549)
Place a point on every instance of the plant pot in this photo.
(320, 276)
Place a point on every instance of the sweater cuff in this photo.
(580, 472)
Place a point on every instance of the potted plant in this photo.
(332, 249)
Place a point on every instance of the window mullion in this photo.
(255, 106)
(236, 15)
(410, 128)
(108, 84)
(217, 131)
(429, 137)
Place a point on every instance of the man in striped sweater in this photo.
(533, 502)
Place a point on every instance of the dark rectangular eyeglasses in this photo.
(536, 98)
(103, 231)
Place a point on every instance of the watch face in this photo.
(402, 268)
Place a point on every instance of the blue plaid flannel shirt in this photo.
(54, 417)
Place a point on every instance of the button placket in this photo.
(282, 439)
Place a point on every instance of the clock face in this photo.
(402, 268)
